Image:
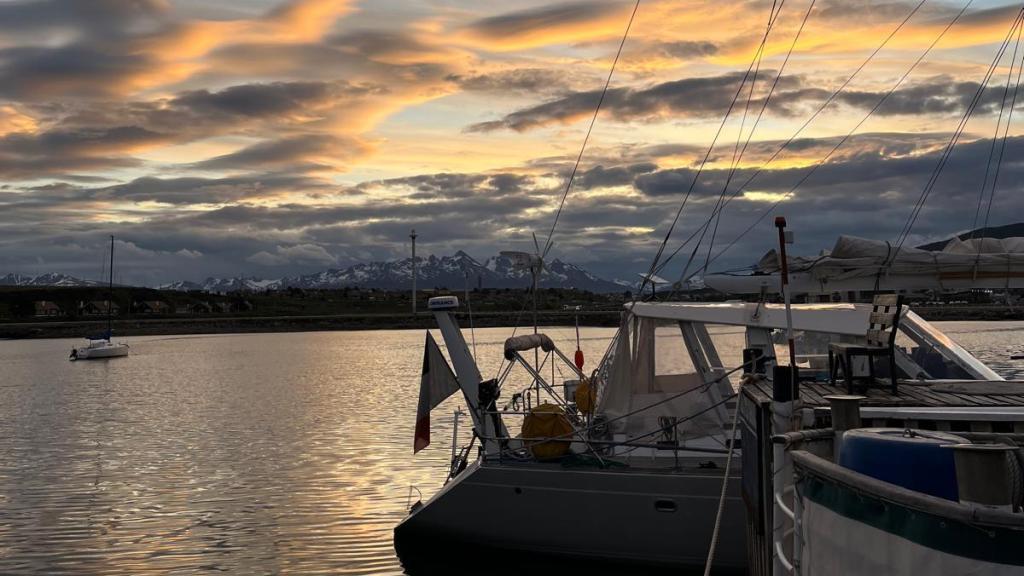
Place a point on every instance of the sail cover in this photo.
(436, 384)
(853, 255)
(527, 342)
(860, 263)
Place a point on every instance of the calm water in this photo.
(247, 454)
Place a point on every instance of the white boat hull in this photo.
(625, 515)
(110, 350)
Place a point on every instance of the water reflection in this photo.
(246, 454)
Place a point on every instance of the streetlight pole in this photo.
(412, 235)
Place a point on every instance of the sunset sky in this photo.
(271, 138)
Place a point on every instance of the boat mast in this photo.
(110, 291)
(413, 235)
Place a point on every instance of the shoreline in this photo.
(270, 324)
(163, 326)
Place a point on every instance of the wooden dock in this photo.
(951, 396)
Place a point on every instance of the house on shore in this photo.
(201, 307)
(152, 307)
(99, 308)
(48, 309)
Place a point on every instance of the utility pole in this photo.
(412, 235)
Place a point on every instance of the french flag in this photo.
(437, 383)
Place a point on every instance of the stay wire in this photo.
(586, 139)
(737, 156)
(579, 158)
(995, 139)
(1006, 130)
(947, 152)
(842, 141)
(707, 155)
(816, 113)
(760, 114)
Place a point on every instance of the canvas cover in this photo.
(855, 257)
(647, 381)
(527, 342)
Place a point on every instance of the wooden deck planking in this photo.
(813, 394)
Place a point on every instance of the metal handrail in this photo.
(626, 443)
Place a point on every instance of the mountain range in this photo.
(50, 279)
(454, 272)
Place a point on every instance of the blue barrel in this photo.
(913, 459)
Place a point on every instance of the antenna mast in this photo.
(412, 236)
(110, 292)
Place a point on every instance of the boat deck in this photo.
(949, 404)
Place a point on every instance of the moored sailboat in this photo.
(102, 346)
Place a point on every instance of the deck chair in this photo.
(881, 342)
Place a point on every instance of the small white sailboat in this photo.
(101, 346)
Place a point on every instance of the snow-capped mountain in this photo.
(452, 272)
(50, 279)
(224, 285)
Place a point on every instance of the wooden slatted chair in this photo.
(881, 342)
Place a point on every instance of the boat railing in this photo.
(811, 454)
(582, 434)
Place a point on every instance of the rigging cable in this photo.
(944, 158)
(579, 158)
(1006, 130)
(700, 169)
(821, 108)
(995, 138)
(725, 484)
(843, 140)
(732, 171)
(593, 120)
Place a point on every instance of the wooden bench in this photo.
(881, 342)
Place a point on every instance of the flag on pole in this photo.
(437, 383)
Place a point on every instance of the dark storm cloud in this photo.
(868, 9)
(308, 151)
(200, 114)
(75, 142)
(195, 190)
(389, 46)
(709, 97)
(94, 16)
(267, 100)
(395, 58)
(32, 72)
(542, 17)
(693, 97)
(103, 134)
(456, 185)
(866, 191)
(54, 152)
(683, 50)
(601, 177)
(519, 80)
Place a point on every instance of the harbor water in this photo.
(248, 453)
